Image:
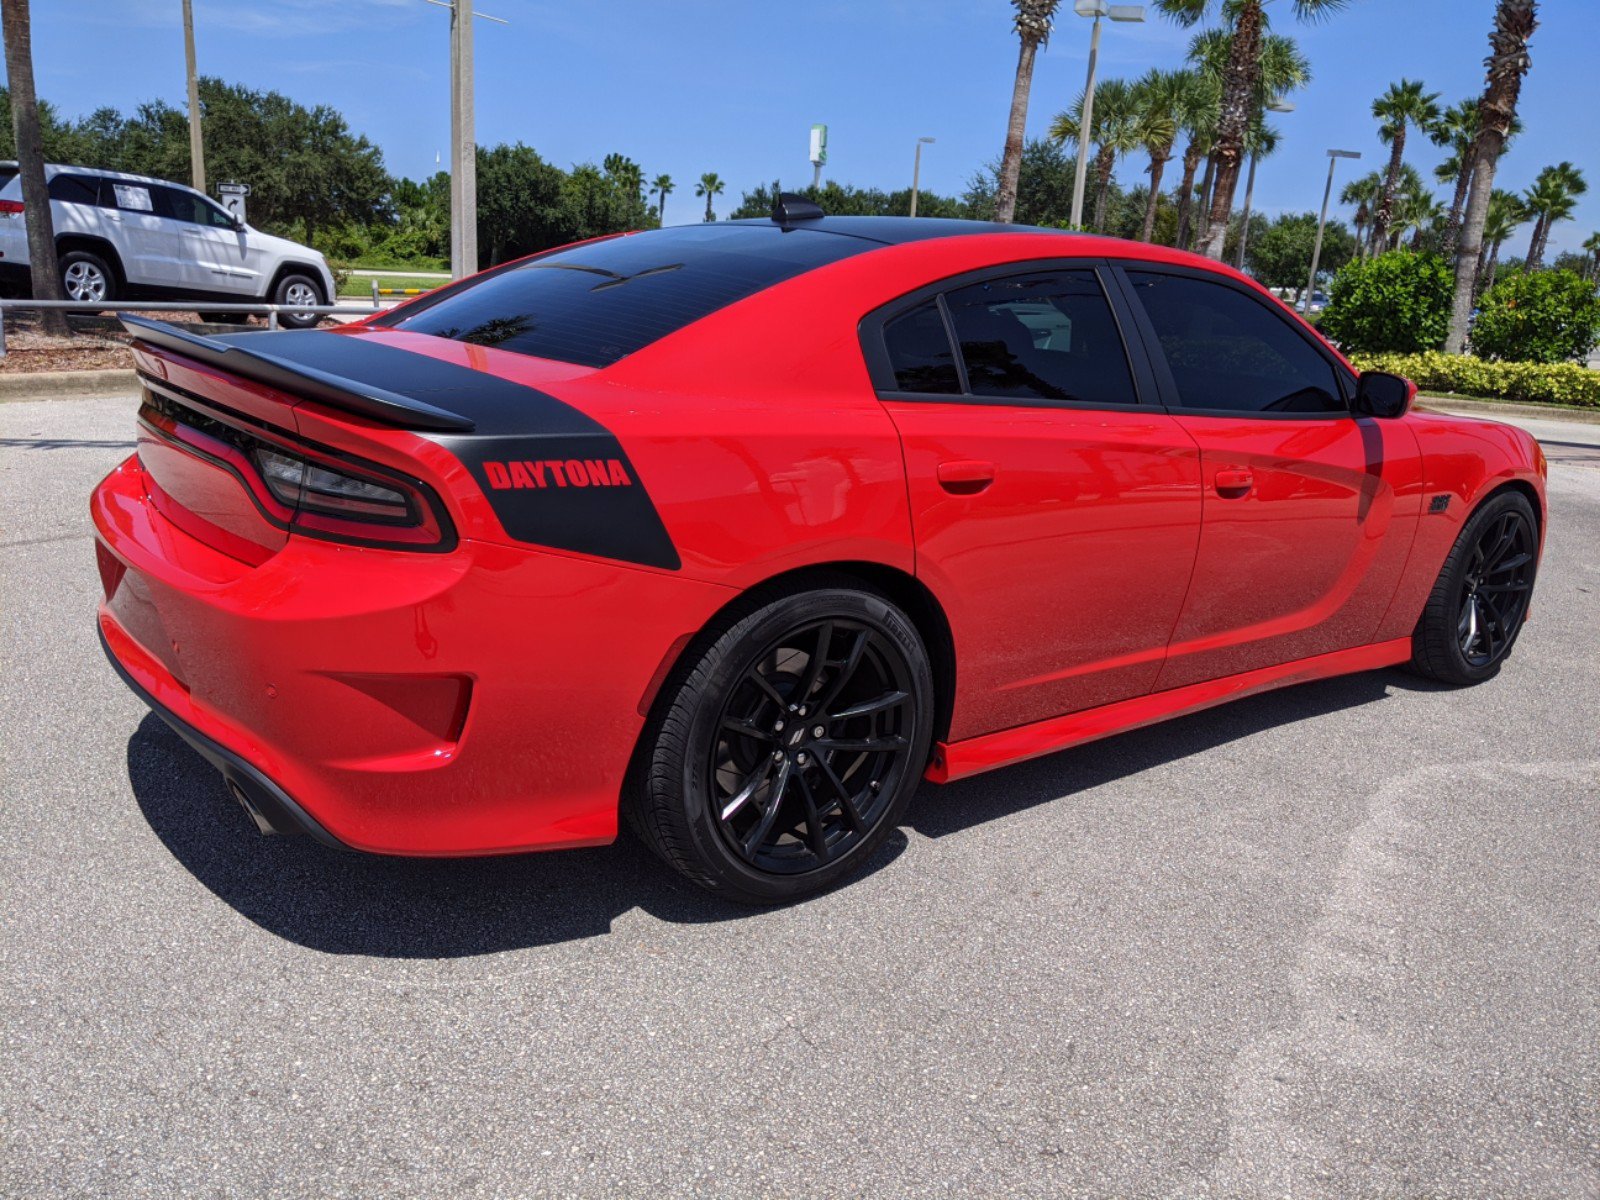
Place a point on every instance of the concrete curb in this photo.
(1509, 408)
(63, 385)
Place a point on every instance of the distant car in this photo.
(743, 529)
(132, 237)
(1319, 301)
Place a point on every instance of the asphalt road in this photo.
(1341, 940)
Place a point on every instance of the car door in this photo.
(216, 255)
(1055, 513)
(147, 241)
(1309, 510)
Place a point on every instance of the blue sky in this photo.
(687, 86)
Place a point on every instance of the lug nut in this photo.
(802, 758)
(819, 731)
(802, 710)
(777, 756)
(777, 727)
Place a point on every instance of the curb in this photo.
(61, 385)
(1509, 408)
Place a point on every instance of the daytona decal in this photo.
(574, 472)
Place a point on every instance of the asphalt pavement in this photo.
(1339, 940)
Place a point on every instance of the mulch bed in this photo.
(97, 343)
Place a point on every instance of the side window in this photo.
(132, 197)
(1228, 351)
(186, 206)
(1044, 336)
(75, 189)
(919, 352)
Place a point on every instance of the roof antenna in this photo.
(790, 207)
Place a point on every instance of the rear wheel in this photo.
(87, 278)
(1478, 605)
(297, 289)
(791, 748)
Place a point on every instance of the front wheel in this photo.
(790, 748)
(1478, 605)
(297, 289)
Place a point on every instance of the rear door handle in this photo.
(1233, 483)
(965, 477)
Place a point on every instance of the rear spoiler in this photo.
(262, 366)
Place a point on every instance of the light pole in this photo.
(197, 153)
(916, 171)
(463, 139)
(1316, 250)
(1131, 13)
(1277, 105)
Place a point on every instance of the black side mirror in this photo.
(1380, 394)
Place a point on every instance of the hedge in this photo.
(1538, 383)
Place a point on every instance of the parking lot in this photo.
(1339, 940)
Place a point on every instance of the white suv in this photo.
(130, 237)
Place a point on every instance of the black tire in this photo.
(720, 735)
(292, 289)
(87, 277)
(1478, 605)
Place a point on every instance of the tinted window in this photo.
(1229, 351)
(186, 206)
(1044, 336)
(919, 352)
(593, 304)
(75, 189)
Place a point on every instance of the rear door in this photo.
(1055, 513)
(1309, 510)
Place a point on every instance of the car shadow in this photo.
(347, 903)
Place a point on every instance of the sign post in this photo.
(233, 195)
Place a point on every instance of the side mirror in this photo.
(1380, 394)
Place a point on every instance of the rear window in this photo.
(75, 189)
(9, 183)
(595, 303)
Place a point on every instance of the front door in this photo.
(1054, 514)
(1309, 510)
(151, 249)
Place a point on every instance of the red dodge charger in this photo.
(743, 529)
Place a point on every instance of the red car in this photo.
(744, 529)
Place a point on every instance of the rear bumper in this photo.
(480, 701)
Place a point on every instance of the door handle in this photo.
(965, 477)
(1232, 483)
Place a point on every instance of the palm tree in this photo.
(1161, 96)
(709, 186)
(1114, 128)
(1553, 197)
(45, 273)
(1240, 88)
(1416, 211)
(1505, 213)
(1262, 142)
(1403, 105)
(1032, 24)
(1591, 245)
(1514, 23)
(661, 187)
(1363, 193)
(1457, 129)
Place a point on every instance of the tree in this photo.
(1161, 97)
(710, 186)
(1553, 197)
(1280, 256)
(1405, 104)
(1262, 142)
(1507, 63)
(627, 173)
(846, 200)
(1591, 246)
(519, 203)
(1457, 130)
(42, 265)
(1363, 193)
(1044, 187)
(1114, 128)
(1500, 222)
(1239, 90)
(661, 187)
(1032, 23)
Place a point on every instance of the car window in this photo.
(186, 206)
(133, 197)
(75, 189)
(1228, 351)
(1045, 336)
(919, 352)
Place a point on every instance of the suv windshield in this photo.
(596, 302)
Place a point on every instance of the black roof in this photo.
(892, 231)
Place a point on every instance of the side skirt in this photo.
(957, 760)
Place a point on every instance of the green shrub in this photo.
(1538, 383)
(1397, 302)
(1542, 316)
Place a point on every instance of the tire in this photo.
(724, 746)
(87, 277)
(1477, 608)
(298, 289)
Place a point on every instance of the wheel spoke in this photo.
(819, 660)
(870, 745)
(765, 684)
(752, 782)
(1498, 588)
(869, 708)
(845, 673)
(1510, 564)
(769, 814)
(747, 729)
(816, 836)
(847, 803)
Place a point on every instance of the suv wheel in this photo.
(87, 278)
(297, 289)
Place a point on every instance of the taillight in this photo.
(10, 208)
(304, 488)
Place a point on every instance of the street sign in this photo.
(233, 195)
(819, 145)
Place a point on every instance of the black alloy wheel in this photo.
(786, 747)
(1480, 601)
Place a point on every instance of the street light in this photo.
(1128, 13)
(1316, 251)
(916, 171)
(1278, 105)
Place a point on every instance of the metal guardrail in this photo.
(270, 311)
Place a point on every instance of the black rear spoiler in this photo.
(263, 366)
